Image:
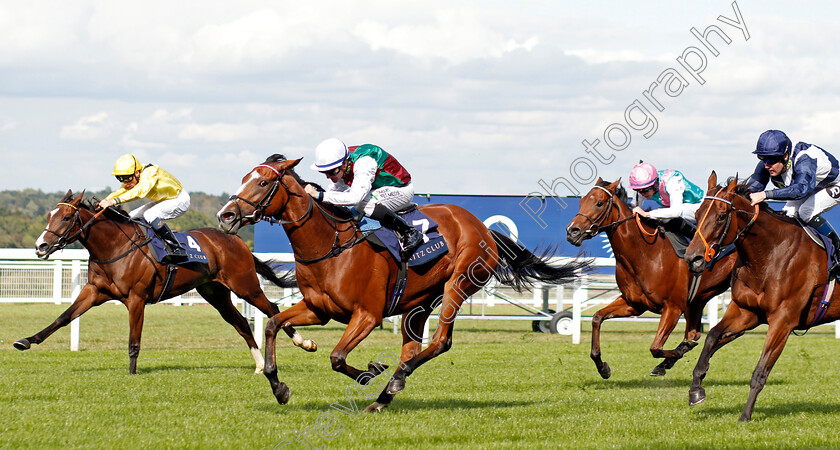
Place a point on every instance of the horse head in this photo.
(62, 221)
(595, 211)
(717, 223)
(265, 192)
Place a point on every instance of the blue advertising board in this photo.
(536, 222)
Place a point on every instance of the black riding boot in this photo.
(411, 237)
(828, 231)
(680, 226)
(175, 253)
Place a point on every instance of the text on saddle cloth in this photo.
(195, 254)
(432, 247)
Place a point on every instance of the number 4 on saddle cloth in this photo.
(194, 252)
(432, 247)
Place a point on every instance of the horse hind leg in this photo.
(218, 295)
(667, 322)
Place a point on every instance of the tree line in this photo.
(23, 215)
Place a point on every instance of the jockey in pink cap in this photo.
(677, 197)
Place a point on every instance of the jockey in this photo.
(169, 199)
(806, 177)
(369, 179)
(678, 197)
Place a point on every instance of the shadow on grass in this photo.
(735, 409)
(665, 382)
(398, 405)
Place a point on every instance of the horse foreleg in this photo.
(88, 297)
(774, 343)
(218, 296)
(362, 322)
(618, 308)
(136, 310)
(733, 324)
(667, 322)
(693, 317)
(299, 314)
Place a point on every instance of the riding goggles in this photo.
(771, 159)
(124, 178)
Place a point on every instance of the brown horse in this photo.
(779, 279)
(649, 274)
(343, 278)
(121, 268)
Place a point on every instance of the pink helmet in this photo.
(643, 175)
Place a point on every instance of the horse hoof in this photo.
(375, 407)
(282, 392)
(22, 344)
(312, 347)
(657, 371)
(375, 368)
(605, 371)
(395, 386)
(696, 397)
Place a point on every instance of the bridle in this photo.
(713, 249)
(261, 206)
(597, 223)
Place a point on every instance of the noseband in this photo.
(712, 249)
(65, 238)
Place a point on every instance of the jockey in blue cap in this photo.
(806, 176)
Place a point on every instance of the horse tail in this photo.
(520, 268)
(264, 268)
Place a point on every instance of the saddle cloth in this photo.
(822, 241)
(194, 252)
(432, 247)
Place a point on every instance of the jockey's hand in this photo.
(757, 197)
(106, 203)
(641, 212)
(311, 190)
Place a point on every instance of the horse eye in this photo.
(263, 183)
(721, 217)
(600, 203)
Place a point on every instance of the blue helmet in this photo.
(772, 143)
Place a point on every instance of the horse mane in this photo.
(338, 211)
(744, 191)
(114, 213)
(620, 192)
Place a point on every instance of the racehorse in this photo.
(649, 274)
(343, 278)
(779, 279)
(122, 268)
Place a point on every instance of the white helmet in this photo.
(329, 155)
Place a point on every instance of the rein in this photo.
(711, 250)
(597, 223)
(259, 214)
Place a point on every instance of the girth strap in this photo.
(168, 281)
(399, 289)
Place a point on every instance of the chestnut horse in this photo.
(649, 274)
(779, 279)
(121, 268)
(343, 278)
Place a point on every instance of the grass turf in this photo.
(500, 385)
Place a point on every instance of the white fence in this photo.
(26, 279)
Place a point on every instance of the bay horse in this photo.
(648, 272)
(122, 268)
(343, 278)
(780, 279)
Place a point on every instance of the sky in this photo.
(472, 97)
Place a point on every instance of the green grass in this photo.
(500, 385)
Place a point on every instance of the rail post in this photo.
(76, 283)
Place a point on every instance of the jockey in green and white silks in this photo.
(369, 179)
(678, 197)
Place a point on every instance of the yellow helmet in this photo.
(127, 164)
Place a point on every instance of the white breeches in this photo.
(166, 209)
(394, 198)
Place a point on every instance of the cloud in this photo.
(89, 128)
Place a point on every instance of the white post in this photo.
(396, 324)
(712, 306)
(837, 329)
(57, 281)
(76, 277)
(578, 297)
(258, 327)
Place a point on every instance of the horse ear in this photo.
(712, 181)
(67, 196)
(79, 198)
(600, 180)
(289, 164)
(612, 187)
(732, 185)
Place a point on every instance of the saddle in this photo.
(433, 246)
